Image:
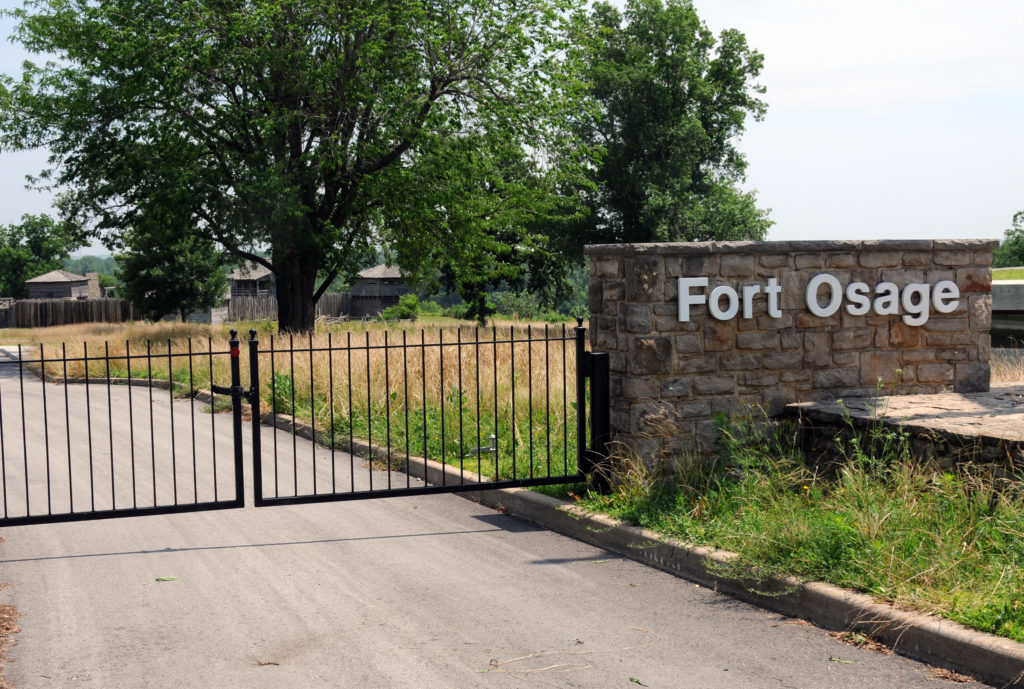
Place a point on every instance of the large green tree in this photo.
(671, 102)
(302, 134)
(169, 269)
(1011, 251)
(37, 245)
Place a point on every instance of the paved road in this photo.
(431, 591)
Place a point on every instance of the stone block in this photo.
(694, 408)
(644, 278)
(936, 373)
(775, 261)
(766, 322)
(953, 354)
(859, 338)
(648, 417)
(952, 258)
(595, 296)
(614, 291)
(698, 266)
(974, 280)
(974, 377)
(757, 340)
(758, 379)
(651, 356)
(803, 261)
(606, 268)
(919, 354)
(719, 336)
(842, 359)
(903, 335)
(808, 321)
(791, 341)
(676, 387)
(782, 360)
(882, 369)
(901, 276)
(818, 349)
(880, 259)
(841, 260)
(981, 313)
(740, 362)
(832, 379)
(637, 318)
(689, 343)
(954, 324)
(696, 364)
(983, 258)
(914, 259)
(635, 388)
(737, 265)
(801, 376)
(714, 385)
(606, 341)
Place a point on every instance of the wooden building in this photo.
(251, 280)
(60, 284)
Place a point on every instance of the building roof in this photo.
(250, 271)
(58, 276)
(381, 272)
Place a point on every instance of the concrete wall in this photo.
(670, 378)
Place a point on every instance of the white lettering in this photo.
(686, 300)
(772, 290)
(714, 303)
(946, 297)
(857, 294)
(835, 298)
(748, 299)
(888, 302)
(915, 302)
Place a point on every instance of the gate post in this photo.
(582, 460)
(236, 417)
(600, 422)
(254, 406)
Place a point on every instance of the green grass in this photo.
(1008, 273)
(949, 542)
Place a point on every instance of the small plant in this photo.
(407, 308)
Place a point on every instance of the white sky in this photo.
(887, 118)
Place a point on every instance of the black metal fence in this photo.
(94, 435)
(338, 416)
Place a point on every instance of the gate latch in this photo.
(236, 392)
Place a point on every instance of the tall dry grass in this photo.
(434, 390)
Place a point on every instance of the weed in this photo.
(947, 541)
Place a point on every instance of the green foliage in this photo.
(37, 245)
(517, 304)
(168, 269)
(946, 541)
(671, 102)
(1011, 251)
(407, 308)
(311, 129)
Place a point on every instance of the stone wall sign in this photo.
(698, 329)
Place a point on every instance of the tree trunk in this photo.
(296, 312)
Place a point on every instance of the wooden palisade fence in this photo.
(330, 305)
(42, 313)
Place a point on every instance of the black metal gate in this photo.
(339, 417)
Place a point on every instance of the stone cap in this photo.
(824, 246)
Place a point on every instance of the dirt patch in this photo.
(8, 626)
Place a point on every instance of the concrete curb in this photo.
(922, 637)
